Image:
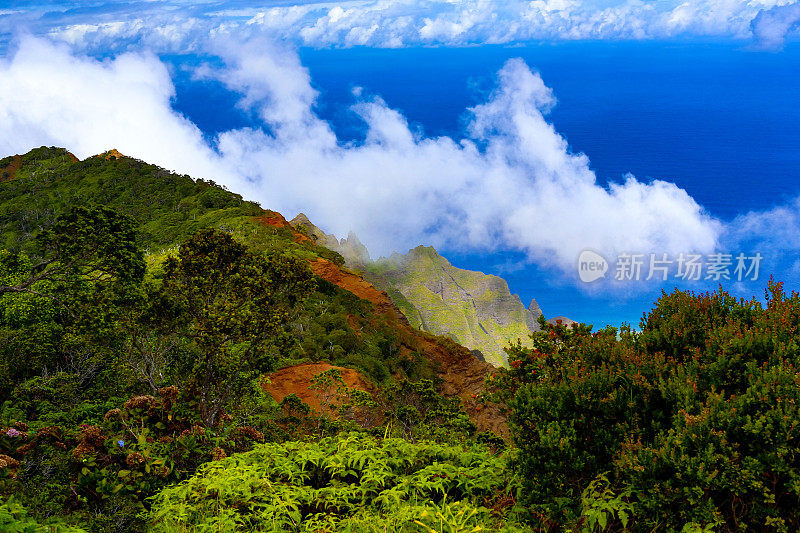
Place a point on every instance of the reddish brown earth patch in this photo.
(11, 169)
(112, 154)
(350, 281)
(297, 380)
(355, 324)
(276, 220)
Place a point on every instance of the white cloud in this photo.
(772, 231)
(774, 234)
(48, 96)
(397, 22)
(166, 26)
(510, 183)
(772, 27)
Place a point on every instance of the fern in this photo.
(335, 483)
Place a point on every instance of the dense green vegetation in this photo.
(692, 420)
(140, 312)
(350, 483)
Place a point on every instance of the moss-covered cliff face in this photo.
(474, 309)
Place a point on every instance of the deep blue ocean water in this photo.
(717, 119)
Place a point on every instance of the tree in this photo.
(692, 421)
(60, 305)
(87, 248)
(235, 307)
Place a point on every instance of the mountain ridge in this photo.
(168, 207)
(475, 309)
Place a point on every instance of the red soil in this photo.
(297, 379)
(112, 154)
(11, 169)
(276, 220)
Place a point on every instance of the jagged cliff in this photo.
(354, 252)
(474, 309)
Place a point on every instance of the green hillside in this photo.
(142, 307)
(472, 308)
(166, 207)
(175, 358)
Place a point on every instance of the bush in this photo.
(695, 418)
(104, 471)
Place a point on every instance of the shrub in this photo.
(695, 418)
(104, 471)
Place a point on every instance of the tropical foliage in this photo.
(692, 420)
(141, 310)
(350, 483)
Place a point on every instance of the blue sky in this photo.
(506, 183)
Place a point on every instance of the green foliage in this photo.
(418, 411)
(62, 310)
(167, 207)
(235, 308)
(338, 327)
(14, 519)
(695, 419)
(22, 308)
(343, 484)
(105, 470)
(601, 507)
(29, 333)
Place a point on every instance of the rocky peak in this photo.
(351, 248)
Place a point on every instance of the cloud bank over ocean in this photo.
(90, 78)
(509, 183)
(176, 25)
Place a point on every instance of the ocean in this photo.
(718, 119)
